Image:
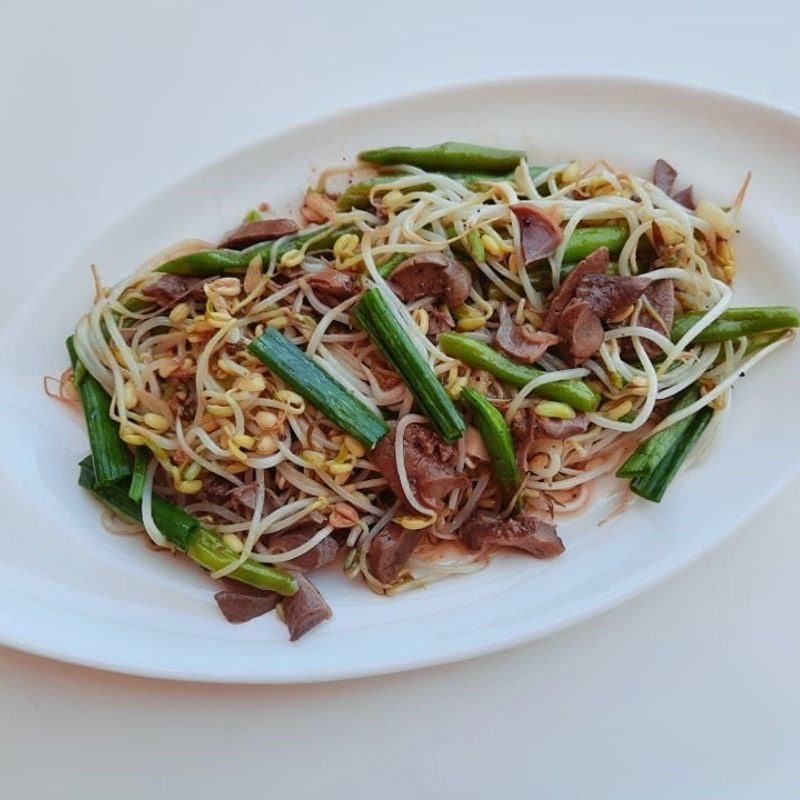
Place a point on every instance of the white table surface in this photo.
(690, 691)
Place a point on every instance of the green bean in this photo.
(586, 240)
(207, 262)
(581, 244)
(499, 444)
(477, 354)
(235, 262)
(736, 322)
(449, 157)
(111, 456)
(187, 534)
(357, 195)
(376, 318)
(317, 387)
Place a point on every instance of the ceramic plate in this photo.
(70, 590)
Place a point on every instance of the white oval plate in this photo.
(72, 591)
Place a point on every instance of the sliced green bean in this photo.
(737, 322)
(448, 157)
(480, 355)
(357, 195)
(207, 262)
(586, 240)
(235, 262)
(499, 444)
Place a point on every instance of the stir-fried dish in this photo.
(446, 354)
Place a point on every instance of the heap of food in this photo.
(448, 354)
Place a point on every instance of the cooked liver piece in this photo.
(539, 235)
(580, 331)
(242, 603)
(518, 342)
(531, 534)
(431, 274)
(595, 263)
(429, 461)
(305, 609)
(260, 230)
(390, 550)
(332, 286)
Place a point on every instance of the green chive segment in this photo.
(141, 462)
(656, 461)
(318, 388)
(652, 485)
(187, 534)
(376, 318)
(111, 457)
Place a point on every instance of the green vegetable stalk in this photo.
(388, 266)
(499, 444)
(235, 262)
(586, 240)
(140, 464)
(653, 485)
(317, 387)
(111, 457)
(448, 157)
(478, 354)
(737, 322)
(653, 450)
(357, 194)
(187, 534)
(656, 461)
(375, 317)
